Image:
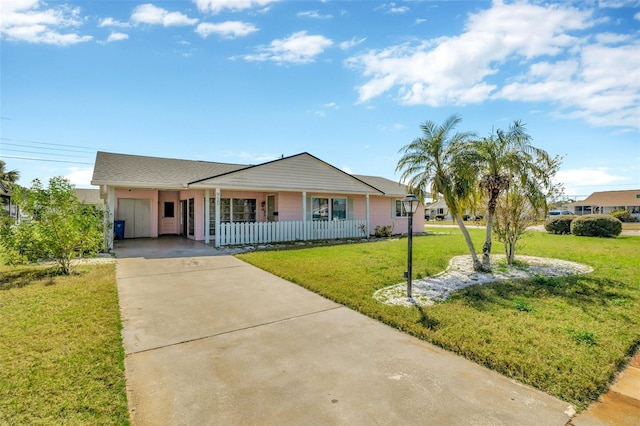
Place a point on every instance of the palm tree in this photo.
(504, 157)
(438, 163)
(8, 176)
(7, 180)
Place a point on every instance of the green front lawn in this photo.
(567, 336)
(61, 356)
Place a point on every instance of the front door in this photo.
(271, 207)
(183, 217)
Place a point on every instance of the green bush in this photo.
(596, 225)
(559, 224)
(383, 231)
(624, 216)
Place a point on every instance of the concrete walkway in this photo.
(213, 340)
(618, 407)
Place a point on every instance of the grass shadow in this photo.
(22, 277)
(582, 291)
(425, 320)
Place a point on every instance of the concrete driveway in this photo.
(211, 340)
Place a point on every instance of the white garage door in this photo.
(136, 214)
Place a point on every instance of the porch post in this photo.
(304, 215)
(207, 215)
(110, 216)
(217, 214)
(367, 216)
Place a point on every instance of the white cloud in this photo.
(586, 78)
(602, 86)
(611, 38)
(299, 48)
(150, 14)
(216, 6)
(110, 22)
(80, 177)
(34, 22)
(398, 9)
(229, 29)
(254, 158)
(314, 14)
(116, 36)
(346, 45)
(576, 180)
(616, 4)
(637, 16)
(347, 169)
(392, 8)
(331, 105)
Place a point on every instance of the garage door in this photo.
(136, 214)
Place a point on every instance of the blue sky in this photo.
(247, 81)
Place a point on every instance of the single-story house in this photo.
(437, 211)
(89, 197)
(608, 201)
(292, 198)
(8, 208)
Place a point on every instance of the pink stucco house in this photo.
(293, 198)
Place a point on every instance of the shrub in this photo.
(624, 216)
(596, 225)
(559, 224)
(59, 226)
(383, 231)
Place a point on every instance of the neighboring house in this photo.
(607, 202)
(437, 211)
(90, 197)
(294, 198)
(8, 208)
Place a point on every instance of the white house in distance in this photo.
(437, 211)
(293, 198)
(607, 202)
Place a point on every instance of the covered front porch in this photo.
(284, 216)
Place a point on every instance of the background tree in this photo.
(8, 176)
(519, 207)
(505, 158)
(439, 164)
(58, 225)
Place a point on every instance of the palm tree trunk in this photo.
(477, 266)
(486, 247)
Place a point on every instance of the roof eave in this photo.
(145, 185)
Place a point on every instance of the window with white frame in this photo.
(328, 208)
(232, 210)
(399, 210)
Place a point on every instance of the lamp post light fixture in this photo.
(410, 204)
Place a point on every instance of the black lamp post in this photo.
(410, 204)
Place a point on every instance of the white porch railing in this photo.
(271, 232)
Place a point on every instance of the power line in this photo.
(42, 159)
(21, 145)
(44, 153)
(49, 143)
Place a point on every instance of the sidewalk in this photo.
(618, 407)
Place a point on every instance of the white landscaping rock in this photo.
(460, 274)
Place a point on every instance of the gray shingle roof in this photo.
(138, 170)
(89, 196)
(143, 171)
(388, 186)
